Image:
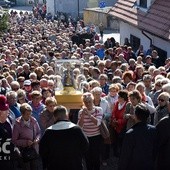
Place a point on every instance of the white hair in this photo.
(96, 89)
(151, 69)
(166, 88)
(159, 77)
(140, 84)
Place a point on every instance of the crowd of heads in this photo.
(31, 46)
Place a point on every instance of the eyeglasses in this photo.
(161, 100)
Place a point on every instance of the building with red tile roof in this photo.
(144, 22)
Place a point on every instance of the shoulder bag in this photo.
(104, 130)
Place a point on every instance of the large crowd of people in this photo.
(129, 90)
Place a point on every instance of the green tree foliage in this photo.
(3, 22)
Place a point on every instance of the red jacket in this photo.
(118, 115)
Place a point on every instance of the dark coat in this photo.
(6, 146)
(75, 39)
(139, 148)
(163, 159)
(62, 147)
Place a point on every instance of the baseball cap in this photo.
(27, 83)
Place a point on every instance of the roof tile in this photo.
(156, 20)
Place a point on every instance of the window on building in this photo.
(143, 3)
(135, 42)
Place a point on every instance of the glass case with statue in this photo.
(67, 93)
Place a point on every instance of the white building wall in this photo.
(127, 29)
(164, 45)
(40, 1)
(66, 6)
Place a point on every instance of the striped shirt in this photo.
(89, 128)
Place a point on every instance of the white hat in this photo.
(27, 83)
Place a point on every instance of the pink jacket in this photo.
(22, 133)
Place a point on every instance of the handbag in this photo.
(104, 130)
(28, 154)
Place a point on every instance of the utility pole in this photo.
(78, 9)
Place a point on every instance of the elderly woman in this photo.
(90, 117)
(112, 97)
(103, 80)
(135, 98)
(103, 103)
(118, 122)
(13, 105)
(15, 86)
(156, 90)
(162, 108)
(21, 96)
(138, 73)
(141, 88)
(166, 87)
(127, 78)
(145, 98)
(130, 86)
(46, 92)
(46, 116)
(36, 105)
(26, 133)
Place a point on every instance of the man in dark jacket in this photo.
(6, 146)
(139, 146)
(163, 159)
(75, 38)
(63, 144)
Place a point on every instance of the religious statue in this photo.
(68, 78)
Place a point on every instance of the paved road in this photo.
(22, 8)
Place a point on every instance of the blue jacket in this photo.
(36, 111)
(100, 53)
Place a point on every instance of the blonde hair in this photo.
(50, 100)
(25, 107)
(87, 96)
(165, 96)
(21, 93)
(35, 93)
(94, 83)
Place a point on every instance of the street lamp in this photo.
(78, 9)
